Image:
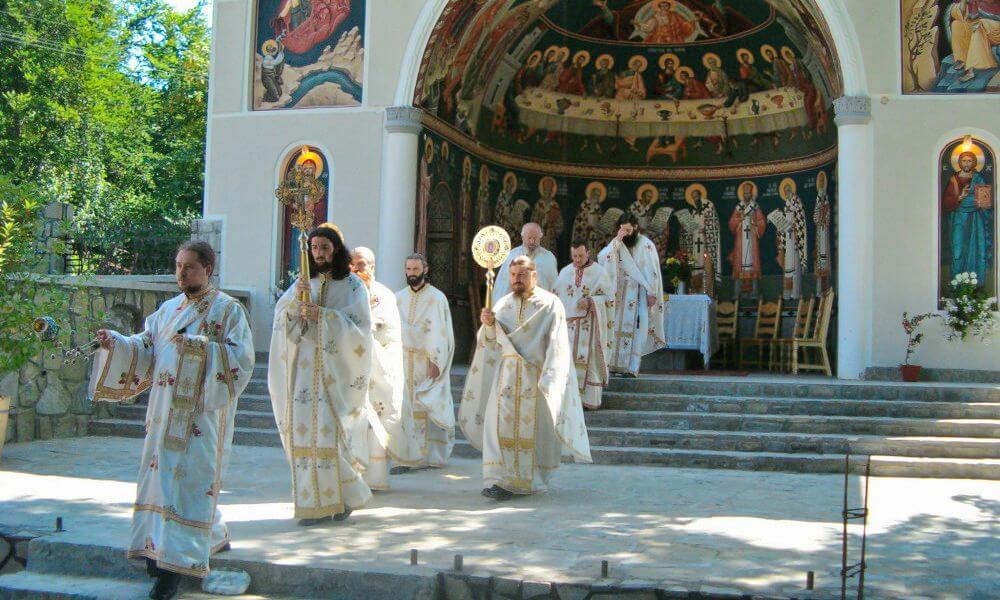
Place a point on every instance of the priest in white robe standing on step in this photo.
(391, 434)
(531, 246)
(633, 266)
(318, 373)
(428, 349)
(195, 356)
(586, 294)
(521, 405)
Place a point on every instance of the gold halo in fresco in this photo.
(309, 154)
(753, 186)
(821, 181)
(597, 185)
(534, 58)
(638, 63)
(691, 188)
(610, 60)
(685, 71)
(787, 53)
(708, 56)
(490, 247)
(647, 187)
(784, 183)
(743, 53)
(765, 50)
(584, 55)
(971, 147)
(543, 181)
(663, 60)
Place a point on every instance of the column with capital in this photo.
(855, 234)
(398, 197)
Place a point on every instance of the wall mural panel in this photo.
(773, 234)
(634, 83)
(308, 53)
(950, 47)
(968, 214)
(311, 162)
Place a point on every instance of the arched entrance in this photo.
(743, 94)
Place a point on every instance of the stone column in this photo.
(397, 201)
(855, 237)
(210, 230)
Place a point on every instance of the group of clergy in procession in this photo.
(359, 378)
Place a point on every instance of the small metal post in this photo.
(810, 580)
(59, 525)
(458, 562)
(413, 556)
(604, 569)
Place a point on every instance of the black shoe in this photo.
(502, 495)
(311, 522)
(225, 548)
(343, 516)
(151, 569)
(399, 470)
(487, 492)
(166, 586)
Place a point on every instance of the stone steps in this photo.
(28, 585)
(734, 423)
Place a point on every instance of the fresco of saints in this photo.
(747, 226)
(588, 218)
(967, 205)
(823, 219)
(571, 79)
(793, 256)
(504, 210)
(304, 24)
(271, 67)
(553, 69)
(652, 222)
(667, 85)
(629, 85)
(779, 74)
(667, 22)
(484, 216)
(749, 75)
(975, 35)
(701, 237)
(602, 81)
(548, 214)
(465, 201)
(800, 79)
(693, 89)
(424, 192)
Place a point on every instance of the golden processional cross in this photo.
(302, 192)
(490, 248)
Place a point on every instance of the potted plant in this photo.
(913, 338)
(677, 271)
(967, 310)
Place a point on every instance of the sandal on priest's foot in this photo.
(343, 515)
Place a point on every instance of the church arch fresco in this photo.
(312, 161)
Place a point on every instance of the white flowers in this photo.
(969, 278)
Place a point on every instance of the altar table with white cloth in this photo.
(690, 324)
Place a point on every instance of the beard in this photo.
(191, 289)
(321, 266)
(631, 239)
(415, 280)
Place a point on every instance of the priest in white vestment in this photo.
(195, 356)
(521, 405)
(587, 297)
(385, 389)
(318, 373)
(428, 349)
(545, 262)
(633, 266)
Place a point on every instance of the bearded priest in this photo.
(318, 377)
(521, 405)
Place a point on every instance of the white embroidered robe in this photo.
(638, 328)
(545, 266)
(386, 393)
(521, 406)
(193, 389)
(588, 329)
(318, 381)
(428, 338)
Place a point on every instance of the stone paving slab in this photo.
(741, 532)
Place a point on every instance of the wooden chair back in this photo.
(822, 328)
(727, 316)
(804, 319)
(768, 319)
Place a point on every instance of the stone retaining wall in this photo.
(48, 398)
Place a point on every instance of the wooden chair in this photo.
(781, 358)
(766, 330)
(727, 320)
(817, 340)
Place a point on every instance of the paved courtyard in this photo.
(708, 530)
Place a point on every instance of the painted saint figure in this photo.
(424, 192)
(588, 218)
(547, 213)
(504, 211)
(747, 226)
(602, 81)
(484, 212)
(271, 67)
(700, 238)
(793, 256)
(968, 203)
(823, 220)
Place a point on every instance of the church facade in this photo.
(785, 147)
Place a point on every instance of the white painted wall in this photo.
(909, 134)
(246, 149)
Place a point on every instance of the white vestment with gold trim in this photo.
(428, 339)
(589, 341)
(521, 405)
(386, 393)
(193, 388)
(638, 328)
(545, 265)
(318, 380)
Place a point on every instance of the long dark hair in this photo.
(340, 266)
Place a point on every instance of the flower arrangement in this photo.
(967, 309)
(677, 269)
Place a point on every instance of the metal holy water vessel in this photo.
(47, 330)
